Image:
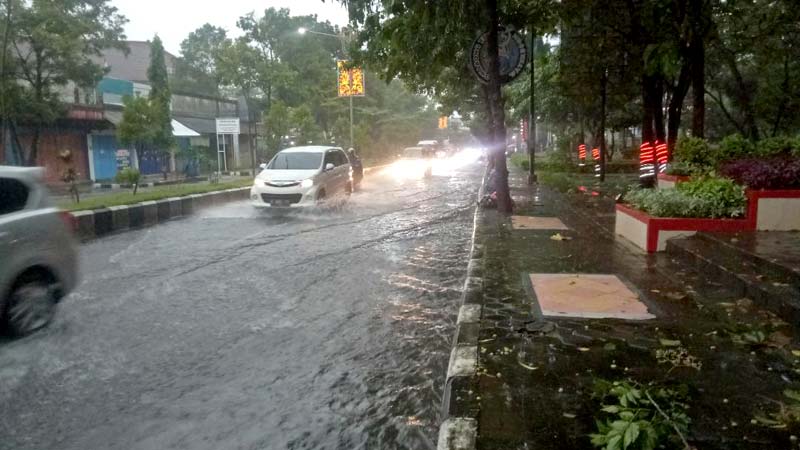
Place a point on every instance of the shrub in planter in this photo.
(694, 152)
(734, 146)
(555, 162)
(680, 168)
(776, 146)
(520, 160)
(772, 173)
(709, 197)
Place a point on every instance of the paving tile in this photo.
(587, 296)
(537, 223)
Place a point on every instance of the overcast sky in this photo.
(173, 20)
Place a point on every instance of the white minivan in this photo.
(302, 176)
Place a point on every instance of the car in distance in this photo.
(302, 176)
(413, 162)
(39, 263)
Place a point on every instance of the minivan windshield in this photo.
(296, 161)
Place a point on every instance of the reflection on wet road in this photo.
(235, 329)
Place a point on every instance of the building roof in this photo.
(133, 66)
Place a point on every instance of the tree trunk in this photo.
(698, 52)
(33, 151)
(675, 107)
(743, 97)
(658, 110)
(603, 101)
(496, 106)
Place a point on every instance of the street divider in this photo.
(94, 223)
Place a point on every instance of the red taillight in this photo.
(69, 221)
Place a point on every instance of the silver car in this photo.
(38, 252)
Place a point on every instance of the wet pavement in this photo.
(537, 375)
(233, 329)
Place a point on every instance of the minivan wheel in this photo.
(31, 306)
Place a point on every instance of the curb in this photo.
(459, 429)
(94, 223)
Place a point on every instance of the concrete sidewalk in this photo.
(559, 306)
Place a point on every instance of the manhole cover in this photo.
(537, 223)
(587, 296)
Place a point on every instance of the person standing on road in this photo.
(358, 168)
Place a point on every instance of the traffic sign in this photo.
(228, 125)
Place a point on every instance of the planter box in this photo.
(651, 233)
(776, 210)
(669, 181)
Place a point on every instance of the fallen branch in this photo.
(686, 445)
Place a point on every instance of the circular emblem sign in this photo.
(513, 55)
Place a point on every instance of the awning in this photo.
(114, 117)
(181, 130)
(178, 129)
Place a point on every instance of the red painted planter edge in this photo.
(658, 224)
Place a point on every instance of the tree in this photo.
(138, 127)
(305, 127)
(51, 44)
(277, 125)
(197, 70)
(160, 97)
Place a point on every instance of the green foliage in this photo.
(734, 146)
(561, 182)
(680, 168)
(138, 126)
(556, 161)
(521, 160)
(160, 97)
(306, 129)
(196, 71)
(131, 176)
(636, 416)
(709, 197)
(694, 152)
(777, 145)
(277, 124)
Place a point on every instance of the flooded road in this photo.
(234, 329)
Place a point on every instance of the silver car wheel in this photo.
(32, 306)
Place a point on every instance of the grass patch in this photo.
(127, 198)
(574, 182)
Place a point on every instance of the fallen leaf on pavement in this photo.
(527, 366)
(583, 349)
(569, 416)
(559, 237)
(670, 342)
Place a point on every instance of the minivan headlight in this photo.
(307, 183)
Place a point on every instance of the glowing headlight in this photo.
(307, 183)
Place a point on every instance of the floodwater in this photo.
(236, 329)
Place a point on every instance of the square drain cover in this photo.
(588, 296)
(537, 223)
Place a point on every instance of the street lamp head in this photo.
(302, 30)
